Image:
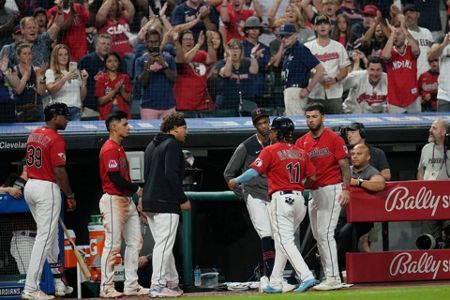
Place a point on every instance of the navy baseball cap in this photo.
(287, 29)
(259, 113)
(410, 7)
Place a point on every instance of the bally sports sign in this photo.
(406, 265)
(401, 201)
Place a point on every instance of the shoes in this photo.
(287, 287)
(306, 285)
(177, 290)
(270, 290)
(328, 285)
(162, 292)
(62, 290)
(110, 293)
(37, 295)
(263, 283)
(137, 291)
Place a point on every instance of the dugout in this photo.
(222, 235)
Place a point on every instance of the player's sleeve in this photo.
(235, 163)
(110, 160)
(262, 162)
(173, 171)
(58, 153)
(340, 150)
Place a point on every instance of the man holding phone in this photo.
(156, 73)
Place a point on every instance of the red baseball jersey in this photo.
(113, 159)
(324, 152)
(402, 78)
(46, 149)
(286, 167)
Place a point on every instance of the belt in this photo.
(28, 233)
(287, 192)
(295, 85)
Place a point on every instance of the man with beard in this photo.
(434, 164)
(367, 89)
(328, 153)
(255, 191)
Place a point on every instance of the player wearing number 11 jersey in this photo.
(46, 160)
(287, 167)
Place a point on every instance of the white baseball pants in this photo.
(324, 212)
(44, 200)
(164, 231)
(120, 219)
(259, 214)
(287, 211)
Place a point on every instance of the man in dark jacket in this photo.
(163, 200)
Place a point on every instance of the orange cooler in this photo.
(69, 257)
(97, 242)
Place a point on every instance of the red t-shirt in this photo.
(104, 85)
(324, 152)
(117, 30)
(191, 87)
(45, 150)
(402, 78)
(75, 38)
(428, 84)
(113, 159)
(235, 28)
(286, 167)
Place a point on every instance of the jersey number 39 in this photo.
(34, 156)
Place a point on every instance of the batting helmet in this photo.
(56, 108)
(284, 127)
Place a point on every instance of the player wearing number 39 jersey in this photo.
(287, 167)
(46, 160)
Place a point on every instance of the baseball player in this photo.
(328, 153)
(119, 213)
(47, 176)
(286, 166)
(255, 191)
(164, 199)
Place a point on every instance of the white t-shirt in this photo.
(364, 97)
(444, 75)
(69, 93)
(425, 40)
(333, 57)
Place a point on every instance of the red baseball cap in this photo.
(370, 10)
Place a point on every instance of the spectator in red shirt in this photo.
(73, 31)
(428, 86)
(112, 88)
(191, 87)
(233, 16)
(114, 17)
(401, 60)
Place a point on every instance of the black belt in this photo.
(294, 85)
(286, 192)
(27, 233)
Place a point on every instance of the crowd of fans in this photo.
(221, 57)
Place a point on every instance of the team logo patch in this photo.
(258, 162)
(345, 149)
(62, 156)
(112, 164)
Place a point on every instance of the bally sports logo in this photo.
(400, 198)
(404, 264)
